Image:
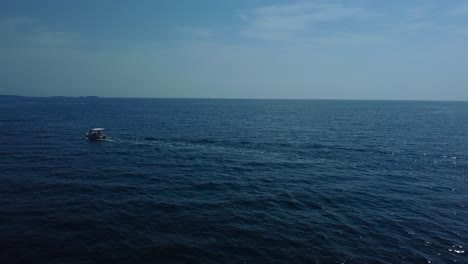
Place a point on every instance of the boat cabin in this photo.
(96, 133)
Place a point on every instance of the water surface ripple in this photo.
(233, 181)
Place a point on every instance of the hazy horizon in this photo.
(233, 98)
(364, 50)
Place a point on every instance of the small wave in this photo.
(207, 186)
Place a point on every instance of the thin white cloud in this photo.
(289, 20)
(459, 10)
(12, 23)
(432, 20)
(27, 31)
(308, 19)
(418, 13)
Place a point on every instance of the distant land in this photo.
(55, 96)
(222, 98)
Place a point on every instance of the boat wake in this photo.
(208, 147)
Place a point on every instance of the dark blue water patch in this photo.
(233, 181)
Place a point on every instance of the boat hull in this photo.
(95, 137)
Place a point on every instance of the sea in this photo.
(233, 181)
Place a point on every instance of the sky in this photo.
(324, 49)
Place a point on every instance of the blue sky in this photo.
(362, 49)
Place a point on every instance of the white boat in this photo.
(96, 133)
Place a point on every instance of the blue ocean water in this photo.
(233, 181)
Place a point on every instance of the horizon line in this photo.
(237, 98)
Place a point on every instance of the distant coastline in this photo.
(226, 98)
(55, 96)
